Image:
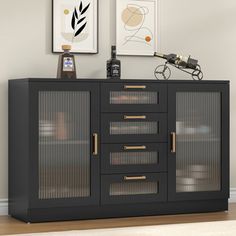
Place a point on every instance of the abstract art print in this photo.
(137, 27)
(75, 23)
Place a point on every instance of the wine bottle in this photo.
(66, 64)
(183, 61)
(113, 65)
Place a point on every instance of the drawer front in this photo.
(119, 158)
(130, 127)
(133, 97)
(134, 188)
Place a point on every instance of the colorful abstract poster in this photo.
(137, 27)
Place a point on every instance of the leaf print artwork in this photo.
(75, 23)
(78, 20)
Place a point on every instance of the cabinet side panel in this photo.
(18, 149)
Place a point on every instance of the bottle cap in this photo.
(66, 47)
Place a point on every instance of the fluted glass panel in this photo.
(198, 153)
(64, 144)
(135, 188)
(123, 97)
(133, 158)
(136, 127)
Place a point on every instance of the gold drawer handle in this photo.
(135, 177)
(135, 147)
(173, 142)
(135, 117)
(95, 144)
(135, 86)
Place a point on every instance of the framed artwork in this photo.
(137, 27)
(75, 23)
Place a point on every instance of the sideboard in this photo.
(87, 148)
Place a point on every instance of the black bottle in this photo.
(113, 65)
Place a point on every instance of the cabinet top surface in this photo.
(117, 80)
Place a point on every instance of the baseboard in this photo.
(3, 207)
(232, 195)
(4, 202)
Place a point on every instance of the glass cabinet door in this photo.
(196, 142)
(65, 146)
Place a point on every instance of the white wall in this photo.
(206, 29)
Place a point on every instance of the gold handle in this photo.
(95, 144)
(135, 147)
(135, 86)
(135, 177)
(173, 142)
(134, 117)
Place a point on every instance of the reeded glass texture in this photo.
(123, 97)
(133, 158)
(64, 144)
(135, 188)
(133, 127)
(198, 153)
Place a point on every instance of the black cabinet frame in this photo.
(24, 203)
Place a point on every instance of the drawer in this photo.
(134, 127)
(133, 97)
(119, 158)
(135, 188)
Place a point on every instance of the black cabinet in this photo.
(81, 149)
